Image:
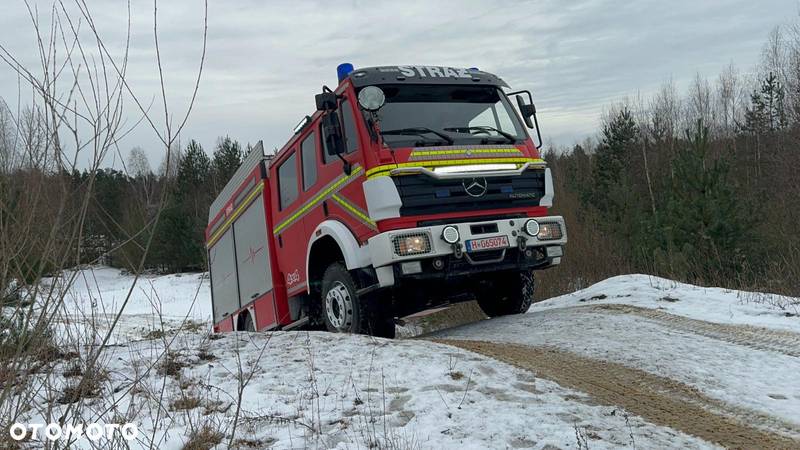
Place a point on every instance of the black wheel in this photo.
(344, 311)
(247, 324)
(507, 293)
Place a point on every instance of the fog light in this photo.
(438, 264)
(450, 234)
(550, 231)
(411, 244)
(532, 227)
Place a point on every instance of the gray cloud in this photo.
(265, 60)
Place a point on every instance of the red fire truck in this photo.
(409, 187)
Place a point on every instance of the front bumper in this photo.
(388, 263)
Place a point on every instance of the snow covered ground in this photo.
(318, 390)
(740, 348)
(157, 302)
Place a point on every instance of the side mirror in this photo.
(326, 101)
(334, 143)
(332, 131)
(528, 111)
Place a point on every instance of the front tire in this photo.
(344, 311)
(507, 293)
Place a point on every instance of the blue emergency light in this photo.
(343, 70)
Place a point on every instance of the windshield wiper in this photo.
(419, 131)
(510, 137)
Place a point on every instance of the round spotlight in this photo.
(532, 227)
(371, 98)
(450, 234)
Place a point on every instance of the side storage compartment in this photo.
(253, 262)
(241, 250)
(224, 283)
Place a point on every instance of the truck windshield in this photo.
(447, 115)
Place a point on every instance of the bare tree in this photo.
(729, 96)
(138, 165)
(76, 116)
(698, 103)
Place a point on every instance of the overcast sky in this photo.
(266, 59)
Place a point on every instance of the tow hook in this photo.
(522, 243)
(458, 252)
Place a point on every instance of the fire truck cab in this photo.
(409, 187)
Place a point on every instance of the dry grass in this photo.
(456, 375)
(216, 407)
(185, 403)
(155, 334)
(194, 326)
(6, 443)
(89, 386)
(74, 370)
(8, 376)
(203, 439)
(205, 355)
(171, 366)
(243, 443)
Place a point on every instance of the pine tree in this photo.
(704, 227)
(612, 159)
(194, 172)
(180, 235)
(767, 112)
(227, 158)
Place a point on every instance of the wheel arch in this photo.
(242, 316)
(332, 241)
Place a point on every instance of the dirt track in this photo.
(657, 399)
(784, 342)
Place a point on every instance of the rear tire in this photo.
(247, 324)
(344, 311)
(507, 293)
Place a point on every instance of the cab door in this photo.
(346, 203)
(288, 227)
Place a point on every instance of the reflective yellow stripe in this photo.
(465, 151)
(318, 198)
(218, 234)
(384, 169)
(353, 209)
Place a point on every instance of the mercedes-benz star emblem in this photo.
(475, 187)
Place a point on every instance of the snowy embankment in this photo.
(318, 390)
(702, 303)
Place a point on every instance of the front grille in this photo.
(422, 194)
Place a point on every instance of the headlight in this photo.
(411, 244)
(550, 231)
(450, 234)
(532, 227)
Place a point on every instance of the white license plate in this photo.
(489, 243)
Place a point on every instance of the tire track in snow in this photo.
(784, 342)
(657, 399)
